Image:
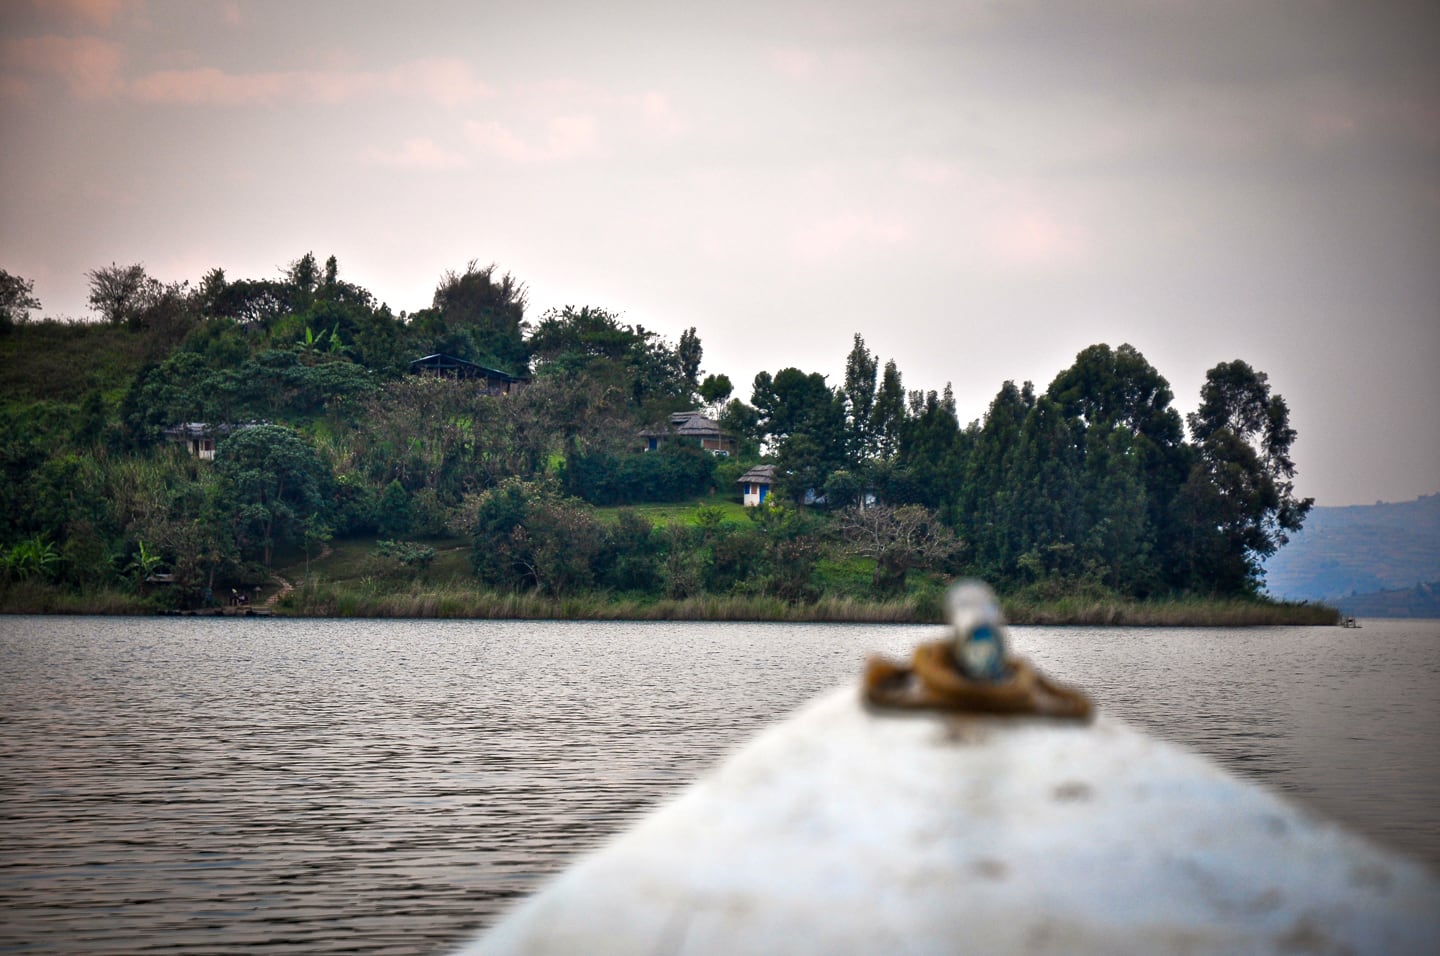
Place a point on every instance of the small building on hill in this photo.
(694, 425)
(200, 437)
(496, 381)
(756, 483)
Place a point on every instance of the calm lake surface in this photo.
(202, 785)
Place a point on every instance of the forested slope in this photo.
(321, 430)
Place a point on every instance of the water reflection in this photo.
(202, 785)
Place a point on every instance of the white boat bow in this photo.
(845, 830)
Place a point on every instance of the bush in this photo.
(674, 473)
(408, 553)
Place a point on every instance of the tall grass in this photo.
(326, 599)
(1178, 612)
(455, 600)
(39, 597)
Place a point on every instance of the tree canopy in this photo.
(304, 380)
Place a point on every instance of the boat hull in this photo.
(843, 830)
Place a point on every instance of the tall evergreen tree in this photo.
(888, 414)
(860, 369)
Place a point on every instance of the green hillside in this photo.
(198, 440)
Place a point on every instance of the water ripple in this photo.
(200, 786)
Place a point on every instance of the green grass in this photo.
(849, 575)
(353, 560)
(61, 362)
(685, 512)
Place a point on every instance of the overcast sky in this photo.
(981, 189)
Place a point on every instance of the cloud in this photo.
(90, 13)
(837, 67)
(835, 235)
(794, 63)
(424, 154)
(448, 82)
(89, 66)
(565, 137)
(214, 87)
(658, 114)
(1033, 237)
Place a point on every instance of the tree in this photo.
(528, 538)
(897, 540)
(1132, 461)
(32, 557)
(143, 564)
(120, 293)
(1239, 500)
(789, 547)
(888, 413)
(802, 421)
(687, 357)
(275, 481)
(1118, 388)
(989, 498)
(859, 391)
(393, 514)
(17, 300)
(716, 389)
(478, 316)
(303, 276)
(930, 448)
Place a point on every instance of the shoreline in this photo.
(327, 601)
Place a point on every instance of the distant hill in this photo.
(1344, 554)
(1422, 601)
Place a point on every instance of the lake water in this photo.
(200, 784)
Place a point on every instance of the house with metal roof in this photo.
(497, 382)
(199, 438)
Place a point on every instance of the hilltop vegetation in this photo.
(530, 456)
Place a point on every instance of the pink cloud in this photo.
(834, 235)
(212, 87)
(423, 154)
(89, 66)
(658, 114)
(91, 13)
(933, 172)
(448, 82)
(810, 66)
(565, 137)
(1033, 237)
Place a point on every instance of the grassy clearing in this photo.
(685, 512)
(354, 560)
(59, 361)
